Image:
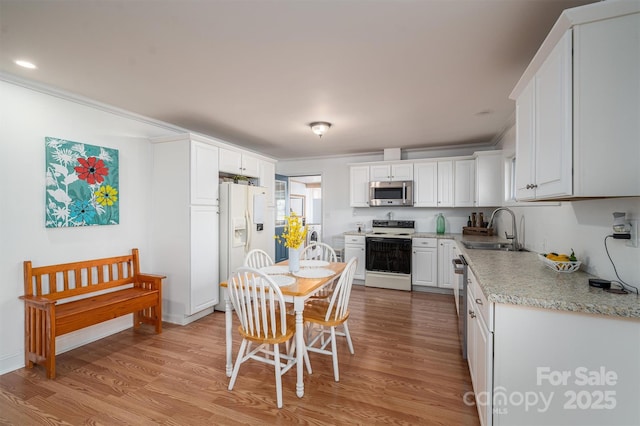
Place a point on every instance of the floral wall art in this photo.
(82, 184)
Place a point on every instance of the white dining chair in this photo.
(326, 316)
(257, 259)
(319, 251)
(260, 307)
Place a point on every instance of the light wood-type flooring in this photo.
(407, 370)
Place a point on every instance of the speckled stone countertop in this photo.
(520, 278)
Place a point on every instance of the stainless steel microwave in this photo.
(394, 193)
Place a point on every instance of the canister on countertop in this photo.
(480, 222)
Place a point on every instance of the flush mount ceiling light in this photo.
(320, 127)
(25, 64)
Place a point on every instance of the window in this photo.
(510, 179)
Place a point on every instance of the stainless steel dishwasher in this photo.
(460, 293)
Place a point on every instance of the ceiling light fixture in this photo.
(320, 127)
(26, 64)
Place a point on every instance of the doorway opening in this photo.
(302, 195)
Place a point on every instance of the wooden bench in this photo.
(59, 299)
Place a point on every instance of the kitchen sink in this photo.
(486, 245)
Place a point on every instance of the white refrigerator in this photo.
(246, 223)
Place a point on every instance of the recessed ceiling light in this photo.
(26, 64)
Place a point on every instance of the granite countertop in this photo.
(520, 278)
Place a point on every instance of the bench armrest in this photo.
(153, 279)
(38, 301)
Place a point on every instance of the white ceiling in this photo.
(386, 73)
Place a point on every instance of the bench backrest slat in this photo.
(72, 279)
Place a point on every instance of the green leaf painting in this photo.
(82, 184)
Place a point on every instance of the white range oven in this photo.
(388, 254)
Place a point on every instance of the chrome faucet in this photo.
(514, 229)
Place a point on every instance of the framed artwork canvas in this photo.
(82, 187)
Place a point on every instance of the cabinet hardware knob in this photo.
(479, 302)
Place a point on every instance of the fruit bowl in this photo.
(560, 266)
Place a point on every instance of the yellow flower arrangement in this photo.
(294, 234)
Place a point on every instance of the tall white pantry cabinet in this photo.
(184, 223)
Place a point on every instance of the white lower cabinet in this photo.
(447, 251)
(534, 366)
(424, 262)
(354, 246)
(480, 349)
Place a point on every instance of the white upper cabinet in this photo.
(577, 108)
(239, 163)
(425, 185)
(464, 183)
(433, 184)
(606, 149)
(552, 117)
(544, 116)
(391, 172)
(359, 186)
(489, 178)
(525, 142)
(445, 183)
(267, 175)
(204, 174)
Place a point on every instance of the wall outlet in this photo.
(633, 241)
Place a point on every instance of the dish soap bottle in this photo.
(440, 224)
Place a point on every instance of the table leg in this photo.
(228, 322)
(300, 347)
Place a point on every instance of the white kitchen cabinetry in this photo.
(489, 178)
(392, 172)
(425, 185)
(445, 183)
(204, 176)
(433, 184)
(480, 348)
(239, 163)
(184, 225)
(424, 262)
(464, 183)
(354, 246)
(267, 176)
(359, 186)
(551, 131)
(447, 251)
(577, 108)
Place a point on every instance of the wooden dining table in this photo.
(296, 293)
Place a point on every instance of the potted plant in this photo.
(241, 180)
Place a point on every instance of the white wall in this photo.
(581, 225)
(26, 118)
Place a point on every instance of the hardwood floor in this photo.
(407, 369)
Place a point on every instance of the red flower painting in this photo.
(92, 170)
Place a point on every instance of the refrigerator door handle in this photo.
(247, 219)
